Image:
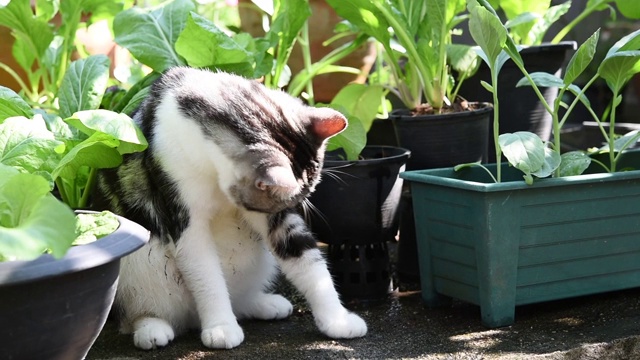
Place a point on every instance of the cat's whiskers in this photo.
(309, 209)
(336, 175)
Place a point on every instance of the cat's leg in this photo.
(151, 300)
(250, 272)
(197, 259)
(301, 261)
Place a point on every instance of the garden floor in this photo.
(603, 326)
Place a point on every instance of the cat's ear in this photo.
(278, 177)
(327, 122)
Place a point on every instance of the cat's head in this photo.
(286, 166)
(273, 144)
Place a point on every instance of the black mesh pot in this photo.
(357, 213)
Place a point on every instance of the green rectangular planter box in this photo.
(503, 245)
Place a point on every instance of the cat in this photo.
(227, 164)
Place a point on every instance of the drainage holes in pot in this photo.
(360, 271)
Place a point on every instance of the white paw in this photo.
(346, 325)
(272, 307)
(151, 333)
(222, 336)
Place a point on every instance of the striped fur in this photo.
(227, 163)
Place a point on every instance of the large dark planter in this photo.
(520, 108)
(443, 140)
(357, 214)
(55, 309)
(435, 141)
(500, 245)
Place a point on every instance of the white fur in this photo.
(221, 266)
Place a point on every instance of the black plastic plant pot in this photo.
(356, 215)
(444, 140)
(55, 309)
(520, 108)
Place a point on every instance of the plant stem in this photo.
(18, 79)
(496, 124)
(577, 99)
(612, 133)
(306, 58)
(586, 12)
(409, 44)
(88, 189)
(62, 191)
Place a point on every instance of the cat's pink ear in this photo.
(277, 177)
(327, 122)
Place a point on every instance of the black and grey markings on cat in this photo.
(141, 190)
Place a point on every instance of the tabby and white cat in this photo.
(227, 162)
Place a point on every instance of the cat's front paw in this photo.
(271, 307)
(222, 336)
(346, 325)
(151, 333)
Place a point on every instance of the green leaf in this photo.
(32, 219)
(582, 58)
(136, 101)
(617, 69)
(360, 101)
(551, 162)
(11, 104)
(364, 15)
(487, 86)
(628, 42)
(97, 152)
(34, 32)
(127, 104)
(547, 80)
(352, 140)
(540, 27)
(541, 79)
(150, 34)
(574, 163)
(203, 44)
(462, 58)
(513, 8)
(93, 226)
(28, 146)
(629, 8)
(289, 17)
(520, 27)
(488, 32)
(524, 150)
(84, 85)
(624, 142)
(119, 127)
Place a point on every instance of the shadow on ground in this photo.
(605, 326)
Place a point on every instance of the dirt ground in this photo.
(605, 326)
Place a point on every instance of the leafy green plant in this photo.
(53, 135)
(628, 8)
(529, 21)
(415, 36)
(524, 150)
(173, 34)
(44, 51)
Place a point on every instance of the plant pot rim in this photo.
(547, 46)
(128, 237)
(448, 177)
(396, 154)
(405, 114)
